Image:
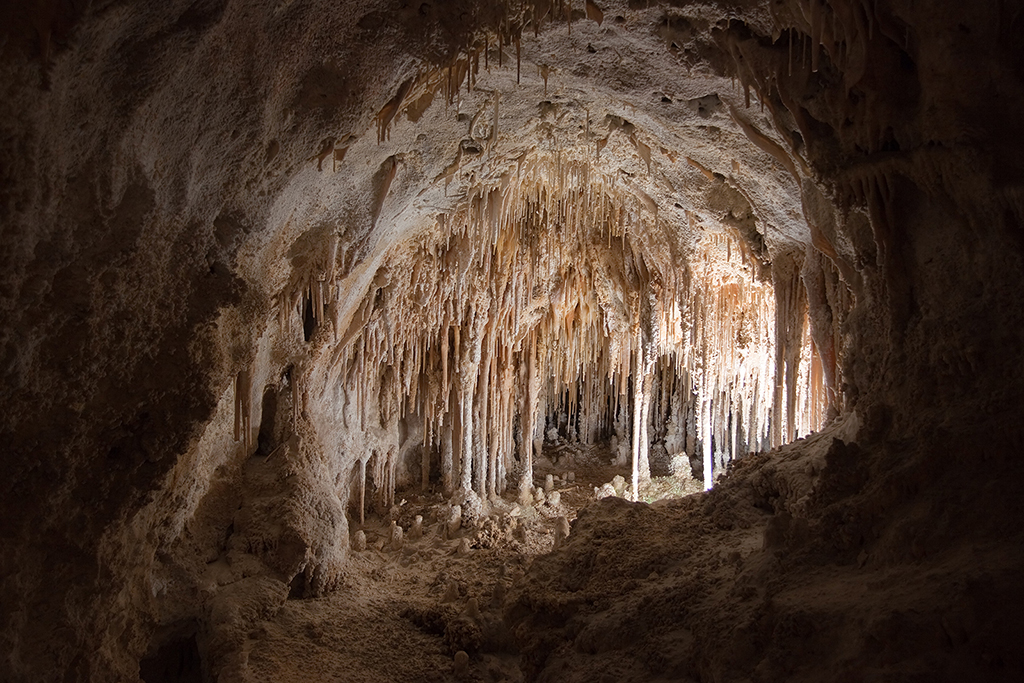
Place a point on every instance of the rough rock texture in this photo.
(810, 563)
(211, 215)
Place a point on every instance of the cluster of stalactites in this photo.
(537, 297)
(509, 304)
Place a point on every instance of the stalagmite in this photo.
(396, 537)
(452, 521)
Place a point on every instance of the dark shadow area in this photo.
(176, 661)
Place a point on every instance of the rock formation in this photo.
(265, 265)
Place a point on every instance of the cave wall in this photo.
(173, 176)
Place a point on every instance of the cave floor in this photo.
(400, 615)
(664, 592)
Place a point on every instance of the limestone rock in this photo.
(473, 511)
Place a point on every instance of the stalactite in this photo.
(388, 112)
(816, 28)
(243, 409)
(525, 324)
(448, 458)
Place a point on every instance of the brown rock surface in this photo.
(254, 257)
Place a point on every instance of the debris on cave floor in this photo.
(428, 586)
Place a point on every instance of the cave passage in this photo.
(553, 298)
(389, 341)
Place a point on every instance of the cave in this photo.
(607, 340)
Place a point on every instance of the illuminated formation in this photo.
(555, 295)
